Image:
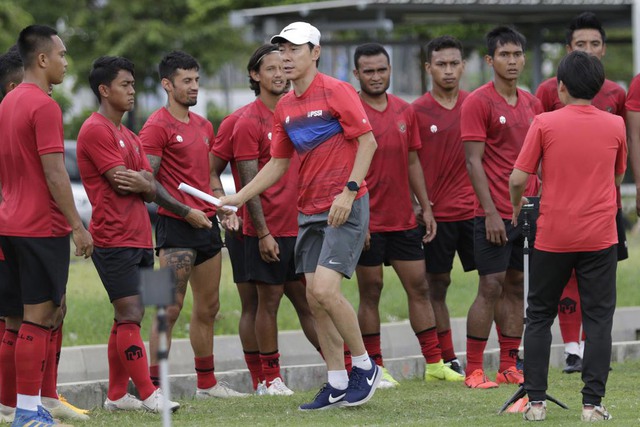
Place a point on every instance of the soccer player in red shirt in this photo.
(269, 220)
(448, 185)
(118, 180)
(323, 120)
(494, 121)
(36, 241)
(581, 152)
(177, 144)
(585, 33)
(394, 236)
(632, 107)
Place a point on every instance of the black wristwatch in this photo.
(353, 186)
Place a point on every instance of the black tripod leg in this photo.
(557, 402)
(519, 394)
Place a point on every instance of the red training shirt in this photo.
(581, 148)
(443, 160)
(396, 132)
(251, 140)
(322, 125)
(184, 148)
(487, 117)
(633, 97)
(31, 123)
(610, 98)
(116, 220)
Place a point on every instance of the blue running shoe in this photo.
(39, 418)
(328, 397)
(362, 384)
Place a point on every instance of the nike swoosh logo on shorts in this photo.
(332, 262)
(335, 399)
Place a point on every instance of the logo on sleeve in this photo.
(433, 128)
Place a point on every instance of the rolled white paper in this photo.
(204, 196)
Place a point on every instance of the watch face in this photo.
(352, 186)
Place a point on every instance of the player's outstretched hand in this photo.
(341, 208)
(83, 241)
(496, 232)
(198, 219)
(269, 249)
(229, 220)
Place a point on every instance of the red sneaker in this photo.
(478, 379)
(510, 376)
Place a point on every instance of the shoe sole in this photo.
(332, 406)
(376, 382)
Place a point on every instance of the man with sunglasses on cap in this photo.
(323, 120)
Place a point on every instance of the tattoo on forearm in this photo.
(163, 198)
(248, 170)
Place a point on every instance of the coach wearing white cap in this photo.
(323, 121)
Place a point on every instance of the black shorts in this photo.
(451, 237)
(235, 246)
(390, 246)
(623, 250)
(119, 269)
(495, 259)
(10, 296)
(39, 266)
(271, 273)
(175, 233)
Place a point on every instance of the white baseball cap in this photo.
(298, 33)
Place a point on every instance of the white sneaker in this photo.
(592, 413)
(221, 390)
(127, 402)
(7, 413)
(277, 387)
(261, 390)
(387, 380)
(58, 410)
(535, 411)
(154, 402)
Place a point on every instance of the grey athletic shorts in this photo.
(336, 248)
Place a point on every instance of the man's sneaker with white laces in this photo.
(7, 413)
(592, 413)
(535, 411)
(362, 384)
(39, 418)
(154, 402)
(62, 411)
(221, 390)
(127, 402)
(261, 390)
(387, 381)
(327, 398)
(277, 387)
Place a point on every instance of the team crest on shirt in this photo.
(609, 109)
(503, 120)
(433, 128)
(206, 140)
(287, 120)
(269, 136)
(179, 138)
(122, 143)
(402, 127)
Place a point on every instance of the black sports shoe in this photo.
(455, 366)
(573, 364)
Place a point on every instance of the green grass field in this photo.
(413, 403)
(90, 315)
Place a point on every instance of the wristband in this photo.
(268, 234)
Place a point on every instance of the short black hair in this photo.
(105, 70)
(369, 49)
(582, 74)
(174, 61)
(440, 43)
(256, 60)
(584, 21)
(11, 70)
(502, 35)
(32, 40)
